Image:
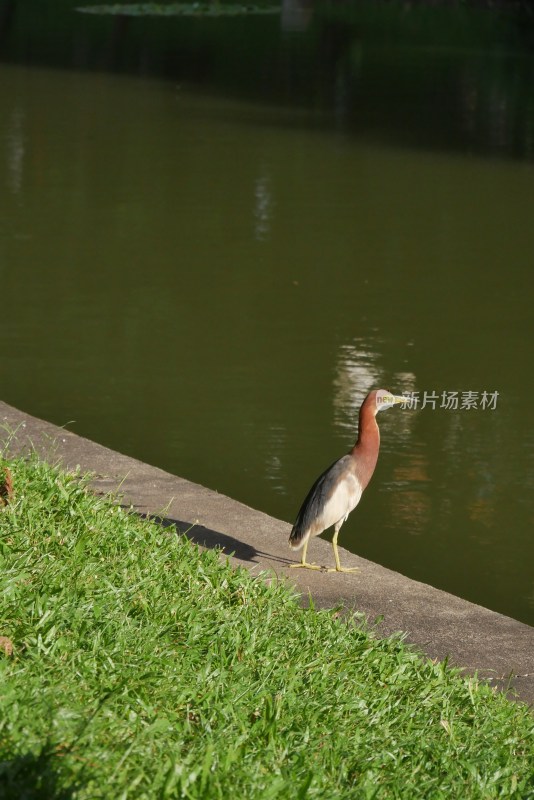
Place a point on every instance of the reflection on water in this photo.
(296, 15)
(451, 78)
(214, 287)
(356, 375)
(410, 505)
(15, 150)
(275, 471)
(263, 207)
(357, 372)
(411, 509)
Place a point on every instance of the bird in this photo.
(338, 490)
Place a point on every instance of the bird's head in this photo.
(383, 399)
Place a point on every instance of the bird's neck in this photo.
(365, 451)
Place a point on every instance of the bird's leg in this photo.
(303, 562)
(338, 567)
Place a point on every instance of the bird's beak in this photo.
(386, 400)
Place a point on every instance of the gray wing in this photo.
(331, 498)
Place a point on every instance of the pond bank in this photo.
(499, 648)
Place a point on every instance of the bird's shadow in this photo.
(212, 539)
(36, 776)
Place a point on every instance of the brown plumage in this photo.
(6, 487)
(337, 491)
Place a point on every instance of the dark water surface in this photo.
(213, 285)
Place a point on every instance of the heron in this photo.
(338, 490)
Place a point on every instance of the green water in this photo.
(213, 286)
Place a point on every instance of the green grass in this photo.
(144, 668)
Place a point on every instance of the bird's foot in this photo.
(304, 565)
(343, 569)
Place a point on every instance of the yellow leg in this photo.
(303, 562)
(338, 567)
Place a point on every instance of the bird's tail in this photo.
(298, 536)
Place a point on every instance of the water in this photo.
(213, 285)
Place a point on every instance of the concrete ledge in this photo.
(500, 649)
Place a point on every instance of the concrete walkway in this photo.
(500, 649)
